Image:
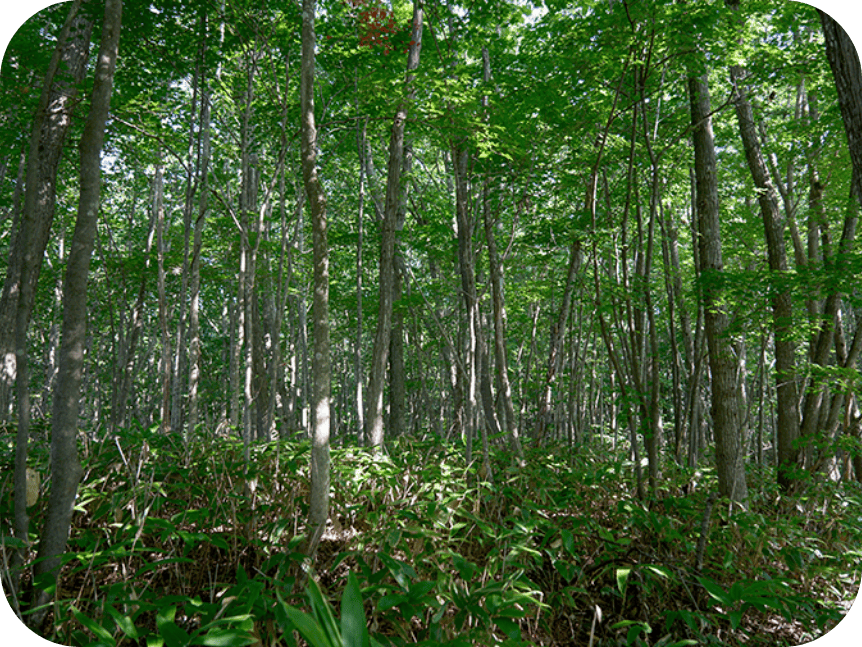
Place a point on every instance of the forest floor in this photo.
(185, 543)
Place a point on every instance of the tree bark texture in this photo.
(319, 505)
(197, 245)
(725, 415)
(374, 432)
(51, 124)
(161, 248)
(844, 61)
(50, 127)
(782, 302)
(65, 467)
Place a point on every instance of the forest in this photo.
(452, 322)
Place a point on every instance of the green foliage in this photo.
(184, 552)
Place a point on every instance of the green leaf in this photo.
(568, 541)
(165, 615)
(567, 571)
(661, 571)
(623, 579)
(509, 627)
(466, 569)
(123, 622)
(400, 570)
(715, 591)
(354, 631)
(390, 600)
(103, 634)
(308, 627)
(323, 613)
(226, 638)
(174, 635)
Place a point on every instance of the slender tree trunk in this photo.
(847, 73)
(285, 272)
(181, 351)
(50, 127)
(725, 415)
(380, 353)
(466, 265)
(7, 319)
(127, 358)
(782, 302)
(361, 133)
(558, 336)
(165, 365)
(677, 361)
(248, 228)
(197, 245)
(237, 334)
(319, 499)
(844, 61)
(65, 468)
(51, 124)
(303, 389)
(397, 377)
(495, 270)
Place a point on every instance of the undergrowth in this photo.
(178, 544)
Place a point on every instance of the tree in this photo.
(65, 467)
(380, 354)
(782, 303)
(844, 61)
(725, 411)
(50, 127)
(318, 512)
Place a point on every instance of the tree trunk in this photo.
(50, 127)
(165, 363)
(197, 245)
(65, 468)
(319, 498)
(51, 124)
(729, 455)
(397, 377)
(558, 334)
(782, 302)
(380, 354)
(119, 412)
(466, 265)
(361, 133)
(495, 270)
(844, 61)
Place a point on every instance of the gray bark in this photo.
(844, 61)
(197, 245)
(782, 303)
(725, 415)
(320, 398)
(65, 467)
(50, 126)
(380, 355)
(165, 362)
(360, 231)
